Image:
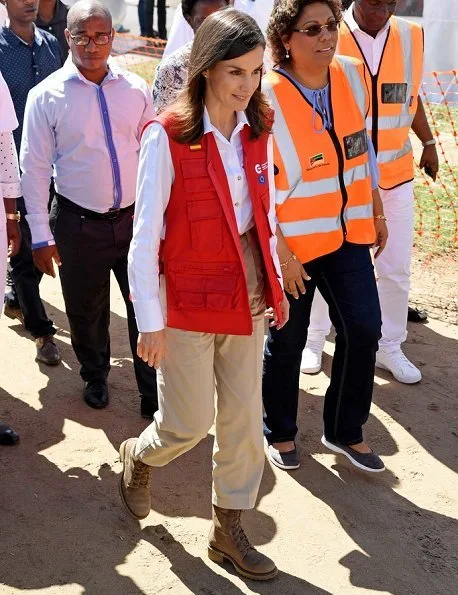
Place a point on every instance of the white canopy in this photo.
(440, 21)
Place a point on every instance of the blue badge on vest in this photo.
(262, 179)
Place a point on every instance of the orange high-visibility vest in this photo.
(323, 184)
(394, 97)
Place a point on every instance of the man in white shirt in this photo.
(369, 24)
(82, 125)
(181, 32)
(172, 72)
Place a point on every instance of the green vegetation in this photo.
(145, 69)
(436, 213)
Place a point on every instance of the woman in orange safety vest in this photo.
(329, 215)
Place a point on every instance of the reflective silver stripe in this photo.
(360, 212)
(388, 156)
(285, 144)
(307, 227)
(357, 85)
(308, 189)
(406, 40)
(325, 186)
(355, 174)
(390, 122)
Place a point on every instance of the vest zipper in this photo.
(374, 81)
(374, 136)
(343, 189)
(340, 158)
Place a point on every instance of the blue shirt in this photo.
(23, 66)
(321, 102)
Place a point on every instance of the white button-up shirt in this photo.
(371, 47)
(156, 175)
(87, 137)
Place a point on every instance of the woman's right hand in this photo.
(151, 347)
(294, 276)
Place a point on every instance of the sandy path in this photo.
(330, 528)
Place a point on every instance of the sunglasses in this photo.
(315, 30)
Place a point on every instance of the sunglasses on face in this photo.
(82, 40)
(315, 30)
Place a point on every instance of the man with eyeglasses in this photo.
(84, 123)
(27, 56)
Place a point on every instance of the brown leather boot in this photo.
(135, 482)
(227, 540)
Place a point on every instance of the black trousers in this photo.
(90, 249)
(25, 291)
(161, 18)
(346, 280)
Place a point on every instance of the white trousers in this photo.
(393, 273)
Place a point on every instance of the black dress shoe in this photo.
(416, 315)
(8, 436)
(96, 394)
(148, 406)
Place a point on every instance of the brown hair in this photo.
(284, 18)
(224, 35)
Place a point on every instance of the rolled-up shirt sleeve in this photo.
(155, 178)
(36, 159)
(272, 213)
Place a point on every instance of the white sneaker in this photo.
(312, 356)
(397, 363)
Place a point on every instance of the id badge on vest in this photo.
(394, 92)
(355, 144)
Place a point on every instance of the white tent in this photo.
(440, 21)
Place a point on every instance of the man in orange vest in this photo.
(392, 49)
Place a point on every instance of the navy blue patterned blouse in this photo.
(23, 66)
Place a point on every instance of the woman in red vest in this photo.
(329, 213)
(205, 187)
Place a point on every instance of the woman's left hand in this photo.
(284, 307)
(381, 236)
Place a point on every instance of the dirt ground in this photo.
(330, 528)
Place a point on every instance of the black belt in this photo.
(113, 213)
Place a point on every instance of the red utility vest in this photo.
(201, 255)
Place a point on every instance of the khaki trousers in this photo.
(194, 364)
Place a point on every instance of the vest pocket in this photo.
(206, 220)
(202, 286)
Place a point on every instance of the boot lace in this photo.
(241, 540)
(141, 475)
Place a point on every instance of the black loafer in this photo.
(148, 406)
(416, 315)
(369, 461)
(96, 394)
(284, 460)
(8, 436)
